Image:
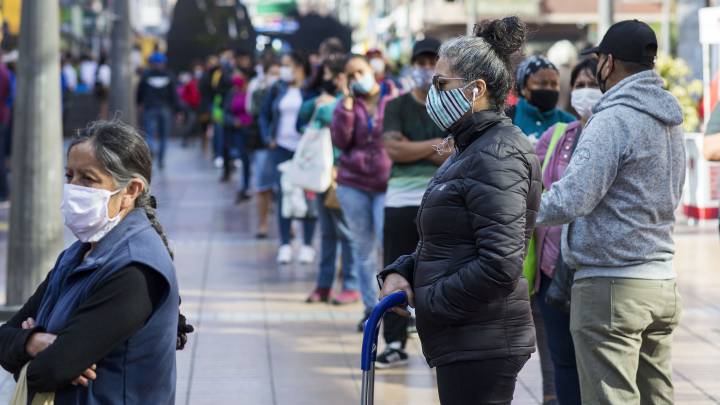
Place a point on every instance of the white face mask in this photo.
(378, 65)
(86, 212)
(287, 74)
(583, 100)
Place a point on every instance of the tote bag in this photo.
(530, 266)
(20, 396)
(312, 163)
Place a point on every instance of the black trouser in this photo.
(479, 382)
(400, 237)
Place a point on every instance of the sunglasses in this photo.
(439, 81)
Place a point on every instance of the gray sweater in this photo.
(623, 184)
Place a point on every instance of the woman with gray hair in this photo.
(475, 221)
(104, 325)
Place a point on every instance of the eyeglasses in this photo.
(439, 81)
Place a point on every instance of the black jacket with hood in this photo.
(475, 223)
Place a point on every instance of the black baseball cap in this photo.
(630, 41)
(425, 46)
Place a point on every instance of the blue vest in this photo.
(142, 370)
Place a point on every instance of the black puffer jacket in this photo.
(475, 224)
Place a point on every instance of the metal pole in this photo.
(665, 28)
(368, 387)
(706, 81)
(605, 17)
(471, 10)
(36, 227)
(121, 86)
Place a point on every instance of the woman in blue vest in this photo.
(103, 326)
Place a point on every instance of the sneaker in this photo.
(285, 254)
(391, 357)
(319, 295)
(242, 196)
(219, 162)
(361, 324)
(346, 297)
(307, 255)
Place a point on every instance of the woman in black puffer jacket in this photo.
(475, 222)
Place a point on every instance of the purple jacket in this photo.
(364, 163)
(548, 238)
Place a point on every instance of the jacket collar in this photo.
(473, 126)
(135, 222)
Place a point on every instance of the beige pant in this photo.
(622, 331)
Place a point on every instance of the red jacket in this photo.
(190, 94)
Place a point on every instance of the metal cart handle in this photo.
(369, 345)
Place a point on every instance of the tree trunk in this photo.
(36, 228)
(122, 85)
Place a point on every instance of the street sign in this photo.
(710, 25)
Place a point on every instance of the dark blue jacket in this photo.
(270, 110)
(142, 370)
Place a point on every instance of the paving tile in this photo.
(258, 343)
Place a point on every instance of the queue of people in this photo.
(396, 197)
(509, 227)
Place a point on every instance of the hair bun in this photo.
(505, 36)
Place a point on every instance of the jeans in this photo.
(547, 370)
(400, 237)
(562, 350)
(235, 140)
(157, 120)
(334, 232)
(479, 382)
(218, 140)
(622, 329)
(278, 156)
(364, 212)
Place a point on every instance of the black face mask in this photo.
(602, 83)
(328, 86)
(544, 100)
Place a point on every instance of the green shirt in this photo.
(408, 181)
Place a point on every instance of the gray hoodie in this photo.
(623, 184)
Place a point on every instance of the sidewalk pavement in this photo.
(258, 343)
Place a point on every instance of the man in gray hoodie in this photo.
(619, 195)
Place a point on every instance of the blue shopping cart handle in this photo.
(372, 327)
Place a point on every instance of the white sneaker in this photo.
(219, 162)
(285, 254)
(307, 255)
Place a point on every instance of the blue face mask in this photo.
(422, 77)
(365, 85)
(446, 107)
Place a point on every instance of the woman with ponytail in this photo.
(465, 277)
(104, 325)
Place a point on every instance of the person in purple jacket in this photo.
(363, 172)
(585, 94)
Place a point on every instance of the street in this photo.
(258, 343)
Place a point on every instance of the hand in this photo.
(38, 342)
(348, 103)
(28, 323)
(272, 145)
(86, 376)
(395, 282)
(324, 99)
